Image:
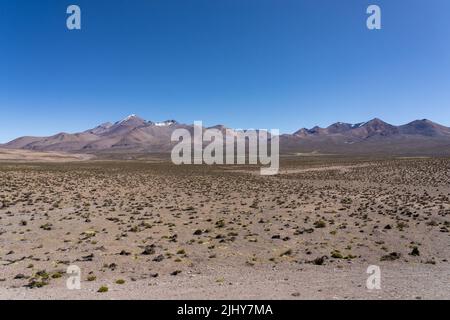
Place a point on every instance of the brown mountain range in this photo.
(134, 134)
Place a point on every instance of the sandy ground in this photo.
(33, 156)
(283, 171)
(159, 231)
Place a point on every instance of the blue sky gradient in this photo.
(281, 64)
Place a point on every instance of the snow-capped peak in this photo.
(131, 116)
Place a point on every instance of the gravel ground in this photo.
(308, 282)
(159, 231)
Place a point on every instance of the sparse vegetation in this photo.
(103, 289)
(138, 220)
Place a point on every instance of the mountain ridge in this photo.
(135, 134)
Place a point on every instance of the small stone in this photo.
(159, 258)
(148, 250)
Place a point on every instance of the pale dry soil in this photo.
(158, 231)
(35, 156)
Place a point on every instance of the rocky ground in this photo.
(140, 229)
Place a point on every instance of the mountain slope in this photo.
(134, 134)
(131, 132)
(420, 137)
(426, 128)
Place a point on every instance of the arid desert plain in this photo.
(148, 229)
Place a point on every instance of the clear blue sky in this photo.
(245, 63)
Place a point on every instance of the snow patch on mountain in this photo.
(131, 116)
